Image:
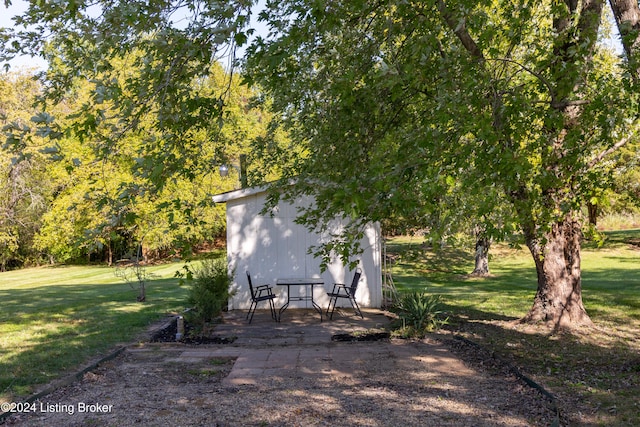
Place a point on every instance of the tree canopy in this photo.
(24, 189)
(518, 102)
(89, 195)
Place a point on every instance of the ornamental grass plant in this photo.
(419, 312)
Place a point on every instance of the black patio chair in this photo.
(341, 290)
(259, 294)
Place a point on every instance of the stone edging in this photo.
(528, 381)
(65, 381)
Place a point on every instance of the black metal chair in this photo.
(341, 290)
(259, 294)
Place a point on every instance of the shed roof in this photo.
(239, 194)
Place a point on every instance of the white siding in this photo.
(274, 246)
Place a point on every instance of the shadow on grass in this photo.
(594, 374)
(48, 330)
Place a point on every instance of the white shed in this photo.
(272, 246)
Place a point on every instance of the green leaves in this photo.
(393, 94)
(43, 118)
(397, 111)
(209, 291)
(419, 312)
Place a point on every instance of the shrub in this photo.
(209, 292)
(419, 313)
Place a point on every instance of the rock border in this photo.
(67, 380)
(515, 371)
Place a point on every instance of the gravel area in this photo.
(153, 387)
(379, 383)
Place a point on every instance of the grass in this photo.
(594, 373)
(54, 319)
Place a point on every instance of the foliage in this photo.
(419, 312)
(209, 291)
(25, 185)
(92, 194)
(148, 114)
(151, 73)
(184, 275)
(424, 113)
(508, 113)
(365, 84)
(109, 202)
(625, 195)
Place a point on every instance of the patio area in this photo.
(297, 326)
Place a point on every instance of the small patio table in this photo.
(299, 282)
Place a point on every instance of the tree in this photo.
(170, 46)
(100, 205)
(110, 202)
(24, 185)
(389, 96)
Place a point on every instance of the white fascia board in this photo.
(239, 194)
(245, 192)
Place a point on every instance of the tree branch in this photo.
(530, 71)
(458, 26)
(608, 151)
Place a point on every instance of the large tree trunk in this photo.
(558, 301)
(556, 252)
(482, 257)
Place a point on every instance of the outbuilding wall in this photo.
(272, 246)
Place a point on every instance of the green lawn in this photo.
(595, 373)
(54, 319)
(611, 277)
